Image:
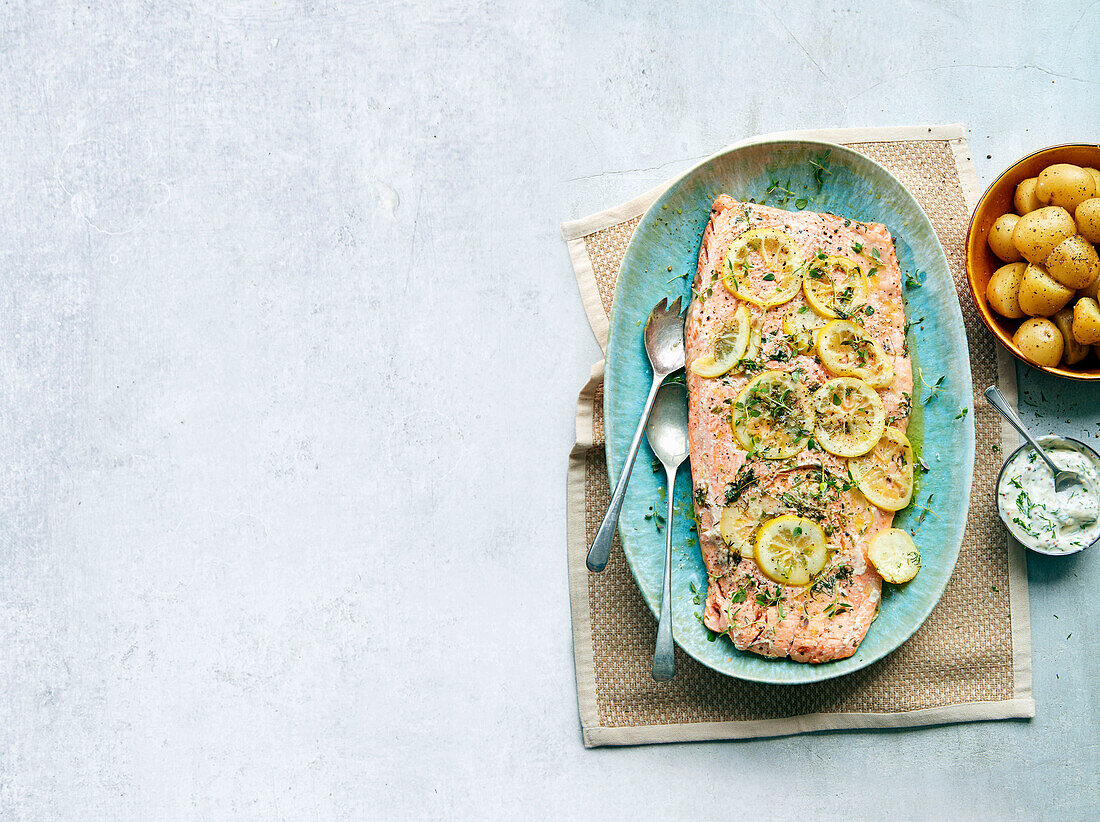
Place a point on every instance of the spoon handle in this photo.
(664, 656)
(601, 545)
(998, 401)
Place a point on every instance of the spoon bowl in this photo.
(667, 430)
(664, 345)
(1063, 480)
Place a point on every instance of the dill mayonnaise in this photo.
(1040, 517)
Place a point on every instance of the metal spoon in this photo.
(667, 433)
(664, 344)
(1063, 480)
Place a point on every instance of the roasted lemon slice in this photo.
(850, 416)
(762, 267)
(849, 351)
(737, 526)
(894, 555)
(860, 512)
(729, 346)
(791, 550)
(756, 332)
(772, 415)
(885, 473)
(835, 287)
(801, 326)
(741, 519)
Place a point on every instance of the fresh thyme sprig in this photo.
(933, 390)
(926, 509)
(820, 171)
(656, 518)
(745, 478)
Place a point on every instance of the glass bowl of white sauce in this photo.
(1042, 520)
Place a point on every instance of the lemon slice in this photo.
(849, 351)
(801, 326)
(741, 519)
(861, 513)
(762, 267)
(850, 416)
(885, 473)
(737, 526)
(728, 349)
(756, 332)
(835, 287)
(791, 550)
(894, 555)
(772, 415)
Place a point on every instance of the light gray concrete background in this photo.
(289, 345)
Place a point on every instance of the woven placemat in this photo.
(971, 658)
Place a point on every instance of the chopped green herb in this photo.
(933, 390)
(819, 170)
(745, 478)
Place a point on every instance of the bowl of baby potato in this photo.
(1032, 261)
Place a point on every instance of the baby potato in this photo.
(1065, 185)
(1095, 174)
(1090, 290)
(1003, 291)
(1040, 341)
(1074, 262)
(1086, 321)
(1073, 352)
(1040, 294)
(1000, 238)
(1024, 199)
(1087, 217)
(1038, 232)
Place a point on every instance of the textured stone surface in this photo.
(289, 345)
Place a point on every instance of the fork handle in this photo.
(601, 545)
(1001, 404)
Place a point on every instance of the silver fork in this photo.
(664, 345)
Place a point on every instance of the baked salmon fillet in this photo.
(800, 387)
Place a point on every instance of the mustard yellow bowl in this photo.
(981, 262)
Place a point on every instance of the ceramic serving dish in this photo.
(819, 177)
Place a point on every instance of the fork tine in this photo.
(676, 305)
(662, 306)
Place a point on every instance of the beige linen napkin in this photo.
(971, 659)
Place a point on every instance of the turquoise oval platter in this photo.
(796, 175)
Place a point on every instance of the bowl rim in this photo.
(995, 328)
(1044, 441)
